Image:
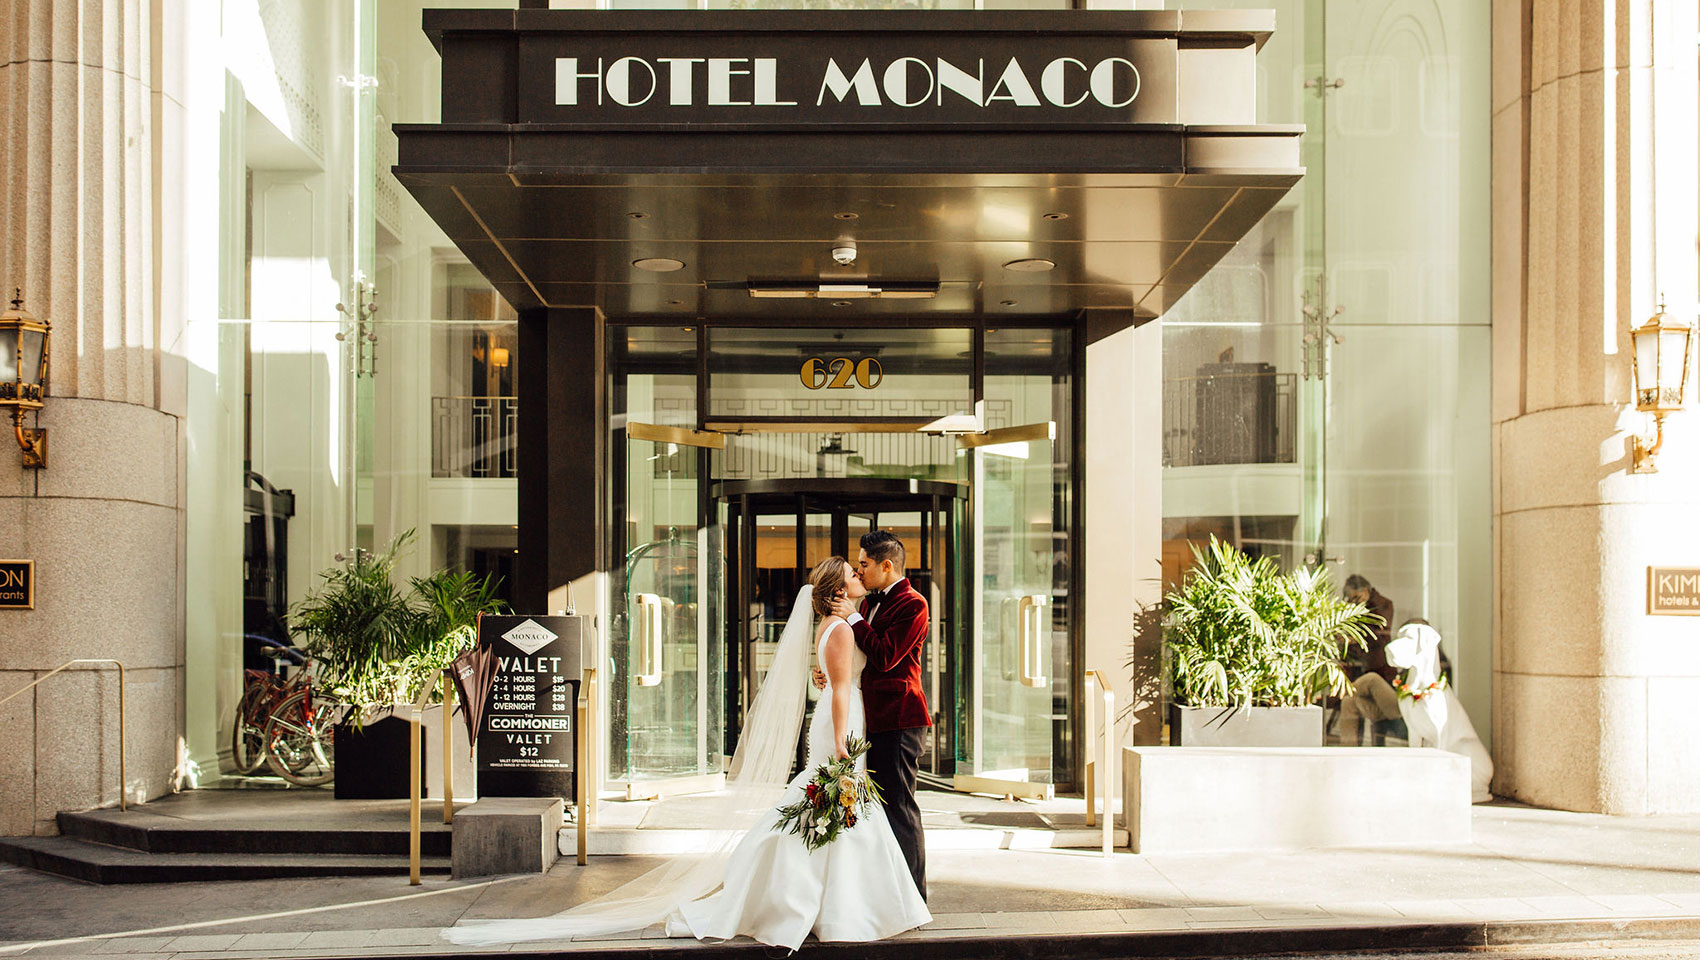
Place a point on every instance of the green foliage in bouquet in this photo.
(831, 800)
(374, 643)
(1239, 632)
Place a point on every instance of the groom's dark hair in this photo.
(883, 545)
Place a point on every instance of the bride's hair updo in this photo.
(828, 580)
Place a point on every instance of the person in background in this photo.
(1374, 658)
(1373, 697)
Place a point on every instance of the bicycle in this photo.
(300, 737)
(262, 692)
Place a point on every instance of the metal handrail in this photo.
(123, 777)
(1105, 775)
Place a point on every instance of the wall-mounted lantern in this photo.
(1661, 379)
(24, 356)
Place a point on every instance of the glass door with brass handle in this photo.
(1006, 746)
(668, 617)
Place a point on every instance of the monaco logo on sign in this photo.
(529, 636)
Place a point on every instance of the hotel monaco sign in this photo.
(791, 79)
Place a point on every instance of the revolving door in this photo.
(776, 531)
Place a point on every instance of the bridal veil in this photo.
(760, 771)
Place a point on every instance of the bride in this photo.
(770, 886)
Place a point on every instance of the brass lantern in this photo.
(1662, 346)
(24, 357)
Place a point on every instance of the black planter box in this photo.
(1248, 727)
(371, 762)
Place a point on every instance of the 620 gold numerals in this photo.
(841, 373)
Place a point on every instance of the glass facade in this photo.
(1325, 395)
(1326, 386)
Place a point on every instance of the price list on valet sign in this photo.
(526, 747)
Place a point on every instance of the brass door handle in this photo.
(649, 631)
(1030, 622)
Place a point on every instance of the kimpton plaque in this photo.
(1673, 591)
(526, 746)
(17, 584)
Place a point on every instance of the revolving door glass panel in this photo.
(777, 531)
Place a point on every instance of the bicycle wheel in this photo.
(248, 734)
(299, 740)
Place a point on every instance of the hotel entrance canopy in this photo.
(1084, 164)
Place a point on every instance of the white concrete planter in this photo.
(1248, 727)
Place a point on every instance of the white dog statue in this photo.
(1431, 710)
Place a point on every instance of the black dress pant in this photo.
(893, 756)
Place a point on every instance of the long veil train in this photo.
(760, 771)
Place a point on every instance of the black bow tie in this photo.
(878, 596)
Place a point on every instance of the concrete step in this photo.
(143, 830)
(103, 864)
(650, 841)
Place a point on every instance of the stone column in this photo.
(80, 97)
(1595, 216)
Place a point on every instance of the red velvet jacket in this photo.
(891, 682)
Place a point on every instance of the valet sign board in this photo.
(526, 742)
(1673, 591)
(802, 78)
(17, 584)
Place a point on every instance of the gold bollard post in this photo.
(414, 751)
(1090, 763)
(581, 783)
(448, 749)
(1107, 776)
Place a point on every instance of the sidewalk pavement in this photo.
(1529, 876)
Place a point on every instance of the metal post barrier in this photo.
(581, 784)
(1101, 769)
(1091, 764)
(415, 757)
(123, 775)
(448, 748)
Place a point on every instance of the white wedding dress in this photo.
(777, 891)
(759, 882)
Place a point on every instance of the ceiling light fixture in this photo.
(1030, 265)
(843, 291)
(659, 264)
(846, 216)
(1056, 216)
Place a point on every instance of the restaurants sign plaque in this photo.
(1673, 591)
(17, 584)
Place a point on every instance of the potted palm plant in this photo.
(1250, 649)
(376, 646)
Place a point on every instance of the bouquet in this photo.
(831, 799)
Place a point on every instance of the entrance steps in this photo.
(234, 835)
(263, 834)
(952, 821)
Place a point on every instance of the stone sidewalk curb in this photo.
(1015, 944)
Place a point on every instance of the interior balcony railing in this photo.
(474, 436)
(1230, 418)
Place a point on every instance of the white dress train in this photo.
(777, 891)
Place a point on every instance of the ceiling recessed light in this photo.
(676, 303)
(659, 264)
(846, 216)
(1030, 265)
(1007, 303)
(841, 303)
(1056, 216)
(638, 216)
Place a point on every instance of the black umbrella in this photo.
(474, 673)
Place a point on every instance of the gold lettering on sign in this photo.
(17, 584)
(1673, 591)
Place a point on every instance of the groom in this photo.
(891, 625)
